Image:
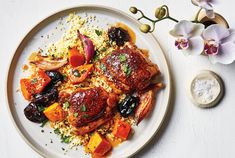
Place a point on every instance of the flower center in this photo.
(211, 48)
(182, 43)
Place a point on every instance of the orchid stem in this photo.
(143, 16)
(167, 16)
(196, 18)
(173, 19)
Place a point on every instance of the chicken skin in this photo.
(90, 108)
(127, 69)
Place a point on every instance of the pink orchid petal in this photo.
(196, 45)
(226, 54)
(231, 37)
(187, 29)
(215, 32)
(198, 29)
(205, 5)
(182, 28)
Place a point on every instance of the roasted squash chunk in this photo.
(55, 112)
(98, 145)
(121, 129)
(35, 84)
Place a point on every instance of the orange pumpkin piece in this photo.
(80, 73)
(55, 112)
(41, 79)
(26, 88)
(75, 57)
(98, 145)
(121, 129)
(97, 156)
(35, 84)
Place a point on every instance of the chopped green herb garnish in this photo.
(64, 76)
(65, 139)
(97, 52)
(103, 67)
(98, 32)
(133, 105)
(83, 108)
(85, 116)
(44, 123)
(126, 69)
(122, 57)
(57, 131)
(76, 73)
(97, 56)
(34, 80)
(83, 71)
(75, 114)
(41, 108)
(66, 105)
(103, 49)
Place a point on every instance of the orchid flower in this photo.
(206, 6)
(188, 37)
(219, 44)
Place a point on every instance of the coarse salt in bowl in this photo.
(206, 89)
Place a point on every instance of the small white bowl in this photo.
(206, 89)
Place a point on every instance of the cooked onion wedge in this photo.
(146, 102)
(46, 63)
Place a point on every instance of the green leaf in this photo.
(103, 67)
(65, 139)
(85, 116)
(83, 108)
(44, 123)
(75, 114)
(97, 56)
(126, 69)
(64, 76)
(122, 57)
(76, 73)
(98, 32)
(103, 49)
(83, 71)
(41, 108)
(66, 105)
(34, 80)
(57, 131)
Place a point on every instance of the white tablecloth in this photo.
(188, 130)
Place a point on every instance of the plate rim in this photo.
(32, 30)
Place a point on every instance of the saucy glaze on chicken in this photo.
(127, 69)
(89, 108)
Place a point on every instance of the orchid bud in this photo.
(133, 10)
(145, 28)
(160, 12)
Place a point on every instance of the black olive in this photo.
(34, 114)
(47, 97)
(118, 35)
(55, 76)
(128, 105)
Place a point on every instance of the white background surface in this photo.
(187, 132)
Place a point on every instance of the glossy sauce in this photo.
(129, 30)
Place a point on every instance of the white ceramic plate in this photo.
(31, 132)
